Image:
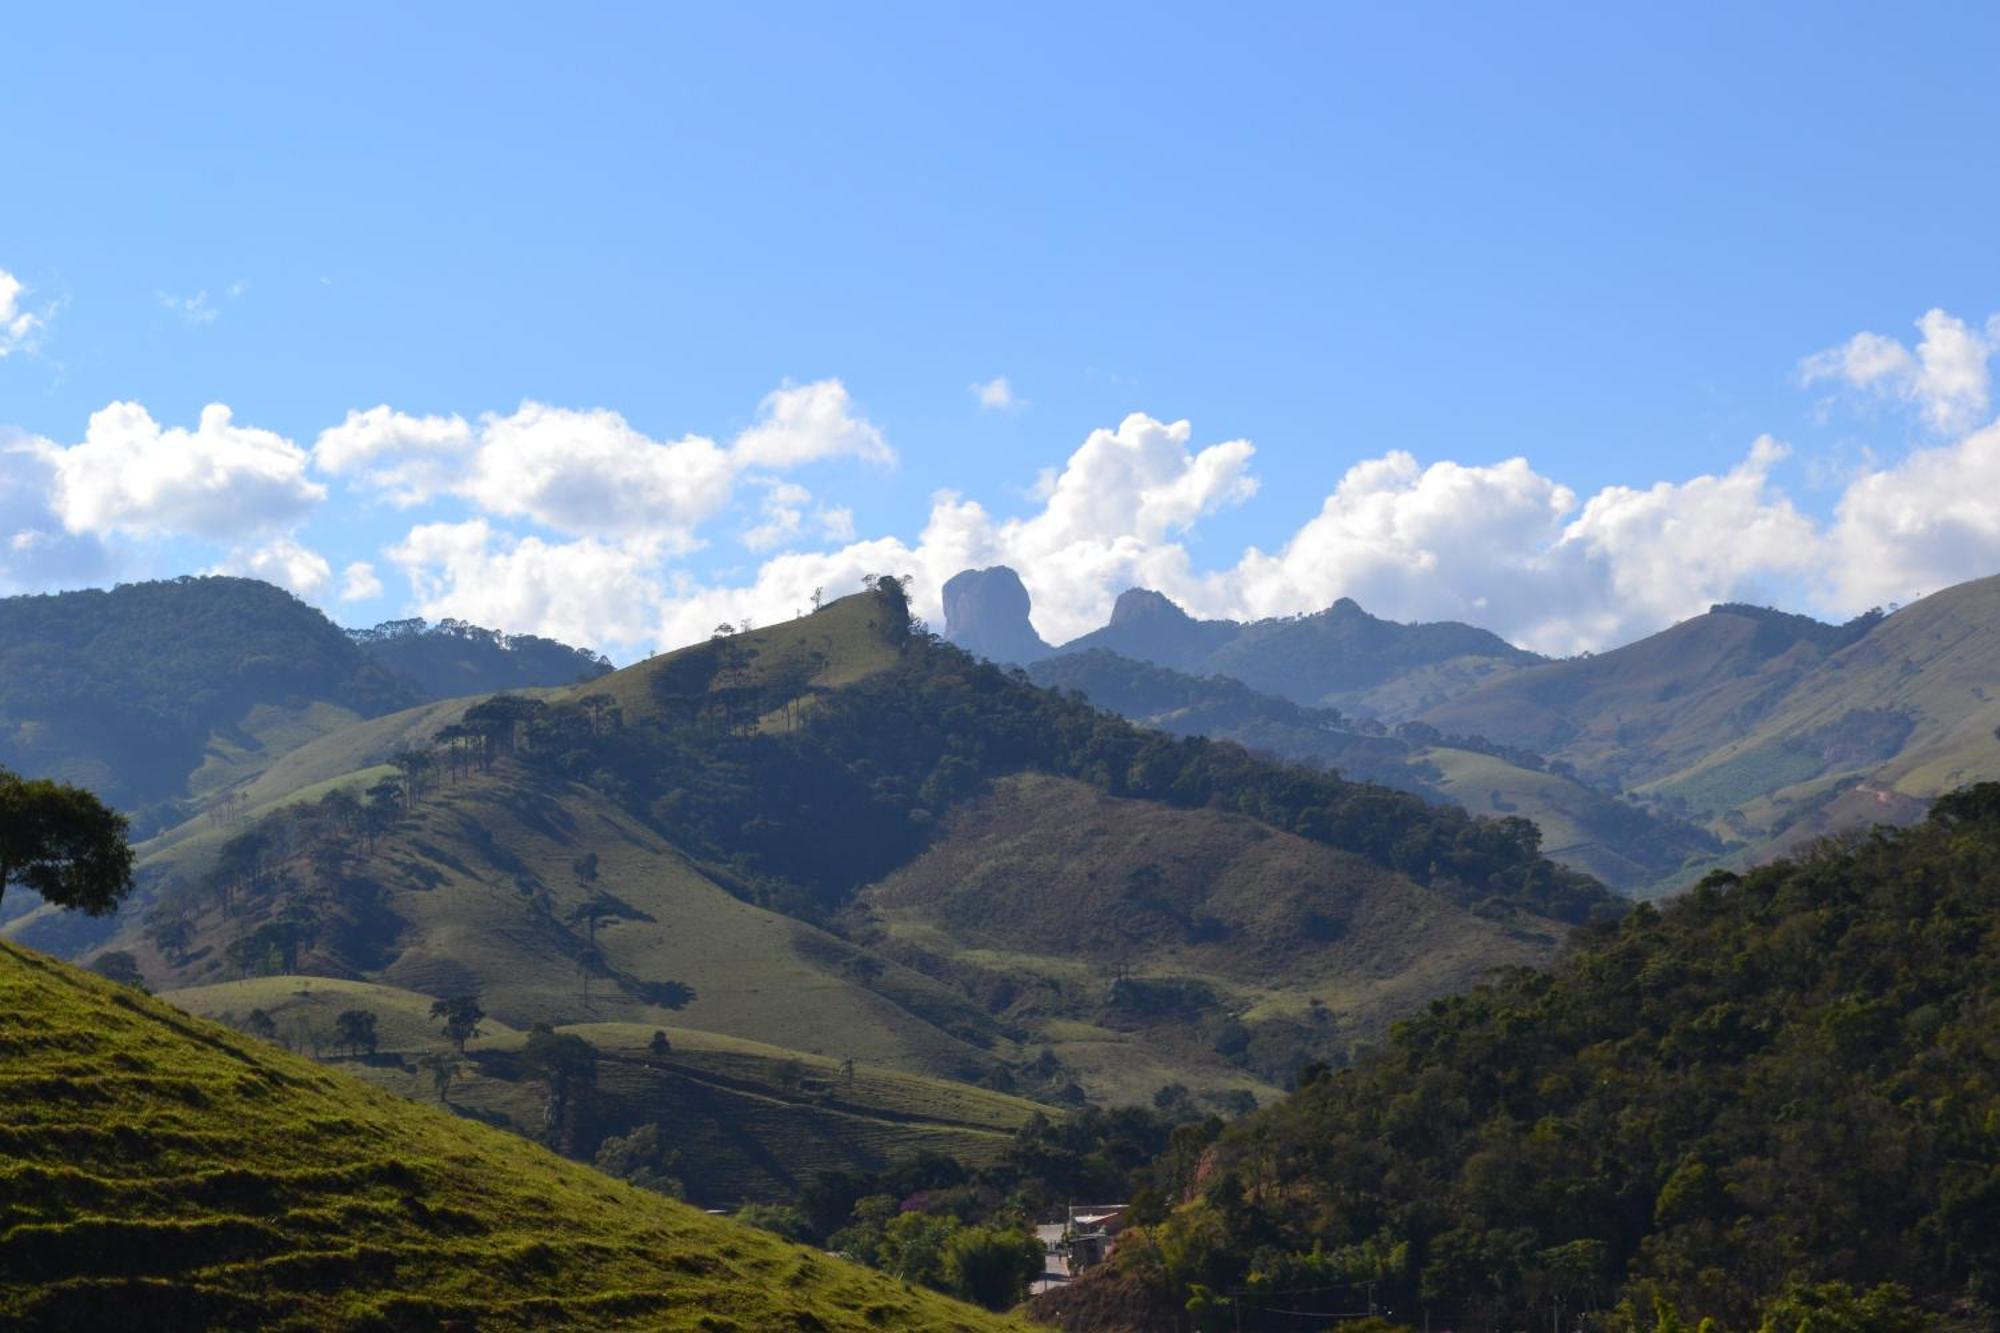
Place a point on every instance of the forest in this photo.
(1772, 1099)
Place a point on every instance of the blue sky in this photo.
(1607, 243)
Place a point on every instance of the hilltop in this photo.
(160, 696)
(452, 658)
(167, 1173)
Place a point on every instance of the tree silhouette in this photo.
(356, 1028)
(460, 1015)
(64, 843)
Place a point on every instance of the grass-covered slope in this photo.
(750, 1121)
(162, 1173)
(1770, 1084)
(1150, 944)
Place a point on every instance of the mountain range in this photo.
(1722, 740)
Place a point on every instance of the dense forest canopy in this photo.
(121, 689)
(1777, 1090)
(453, 658)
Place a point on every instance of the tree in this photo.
(64, 843)
(171, 934)
(992, 1266)
(356, 1028)
(460, 1015)
(119, 966)
(443, 1067)
(642, 1158)
(567, 1065)
(659, 1045)
(261, 1025)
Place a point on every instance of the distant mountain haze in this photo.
(987, 612)
(1759, 726)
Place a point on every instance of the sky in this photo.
(614, 322)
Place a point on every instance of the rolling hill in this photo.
(166, 1173)
(1623, 844)
(698, 844)
(1773, 728)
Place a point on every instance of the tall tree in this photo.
(460, 1015)
(64, 843)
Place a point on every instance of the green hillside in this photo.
(1625, 845)
(750, 1121)
(699, 844)
(1150, 945)
(122, 691)
(452, 659)
(166, 1173)
(1772, 1101)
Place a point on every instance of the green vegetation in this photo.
(1622, 844)
(451, 658)
(63, 843)
(1772, 1099)
(165, 1172)
(121, 690)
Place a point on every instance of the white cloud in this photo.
(805, 423)
(282, 561)
(219, 481)
(1922, 524)
(784, 514)
(591, 473)
(1946, 377)
(194, 309)
(19, 328)
(359, 583)
(410, 458)
(997, 395)
(582, 592)
(36, 553)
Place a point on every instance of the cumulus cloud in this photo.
(408, 458)
(37, 554)
(997, 395)
(218, 481)
(1946, 377)
(583, 592)
(19, 328)
(359, 582)
(282, 561)
(805, 423)
(1922, 524)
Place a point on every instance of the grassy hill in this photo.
(751, 1121)
(1150, 945)
(684, 846)
(165, 1173)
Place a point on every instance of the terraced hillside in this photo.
(165, 1173)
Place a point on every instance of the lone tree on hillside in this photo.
(567, 1064)
(63, 843)
(460, 1016)
(356, 1028)
(119, 966)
